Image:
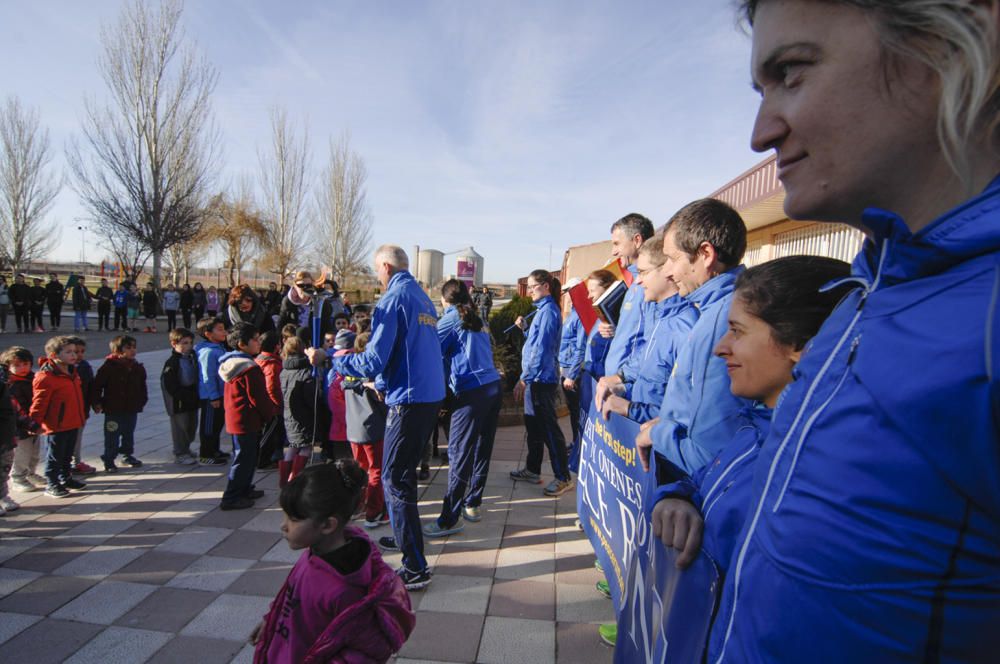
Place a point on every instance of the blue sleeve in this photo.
(447, 333)
(572, 346)
(541, 337)
(643, 412)
(385, 327)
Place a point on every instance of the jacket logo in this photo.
(427, 319)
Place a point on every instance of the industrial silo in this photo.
(469, 267)
(430, 267)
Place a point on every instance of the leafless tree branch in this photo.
(343, 218)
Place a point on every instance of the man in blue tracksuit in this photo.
(627, 235)
(667, 326)
(405, 354)
(704, 243)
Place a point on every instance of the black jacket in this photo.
(290, 314)
(20, 294)
(55, 292)
(176, 397)
(307, 417)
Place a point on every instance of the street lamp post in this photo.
(83, 247)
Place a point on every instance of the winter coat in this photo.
(186, 299)
(81, 297)
(37, 295)
(198, 298)
(307, 417)
(365, 412)
(8, 417)
(257, 316)
(468, 354)
(4, 295)
(55, 292)
(57, 399)
(698, 415)
(85, 371)
(21, 395)
(150, 303)
(572, 346)
(300, 315)
(321, 615)
(336, 401)
(212, 300)
(595, 353)
(247, 404)
(20, 294)
(178, 397)
(404, 352)
(271, 366)
(171, 300)
(628, 330)
(104, 297)
(119, 386)
(668, 325)
(539, 353)
(875, 513)
(210, 384)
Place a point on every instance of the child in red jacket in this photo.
(272, 441)
(248, 408)
(57, 406)
(119, 391)
(341, 601)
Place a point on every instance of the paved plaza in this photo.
(142, 566)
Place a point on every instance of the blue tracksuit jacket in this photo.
(667, 327)
(468, 354)
(540, 350)
(404, 351)
(572, 346)
(874, 526)
(210, 385)
(721, 489)
(698, 413)
(595, 353)
(628, 331)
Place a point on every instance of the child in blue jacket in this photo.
(210, 390)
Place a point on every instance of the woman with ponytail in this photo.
(475, 382)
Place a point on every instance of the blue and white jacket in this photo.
(572, 346)
(404, 352)
(210, 385)
(468, 354)
(721, 489)
(628, 331)
(667, 327)
(540, 350)
(595, 353)
(698, 413)
(874, 525)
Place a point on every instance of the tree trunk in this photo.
(157, 260)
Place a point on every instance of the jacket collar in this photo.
(543, 301)
(398, 279)
(716, 288)
(670, 305)
(892, 254)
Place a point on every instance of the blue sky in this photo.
(508, 126)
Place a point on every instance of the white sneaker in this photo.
(8, 504)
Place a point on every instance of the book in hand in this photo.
(609, 305)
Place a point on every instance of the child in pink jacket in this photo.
(341, 601)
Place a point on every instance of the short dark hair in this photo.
(269, 341)
(207, 324)
(21, 353)
(54, 345)
(361, 309)
(710, 220)
(634, 224)
(341, 315)
(241, 334)
(785, 294)
(179, 333)
(325, 490)
(77, 341)
(120, 343)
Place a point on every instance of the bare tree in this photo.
(343, 218)
(182, 257)
(128, 251)
(151, 150)
(237, 228)
(27, 185)
(283, 173)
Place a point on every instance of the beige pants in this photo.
(26, 456)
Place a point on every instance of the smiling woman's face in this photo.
(759, 368)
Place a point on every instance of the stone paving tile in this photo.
(465, 560)
(196, 649)
(145, 534)
(579, 642)
(268, 521)
(194, 539)
(167, 609)
(514, 641)
(51, 641)
(232, 519)
(582, 603)
(105, 602)
(529, 537)
(246, 544)
(120, 645)
(154, 567)
(229, 617)
(426, 642)
(264, 579)
(47, 556)
(99, 562)
(523, 599)
(457, 594)
(525, 565)
(96, 531)
(11, 547)
(577, 569)
(13, 579)
(244, 656)
(12, 624)
(210, 573)
(45, 594)
(184, 513)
